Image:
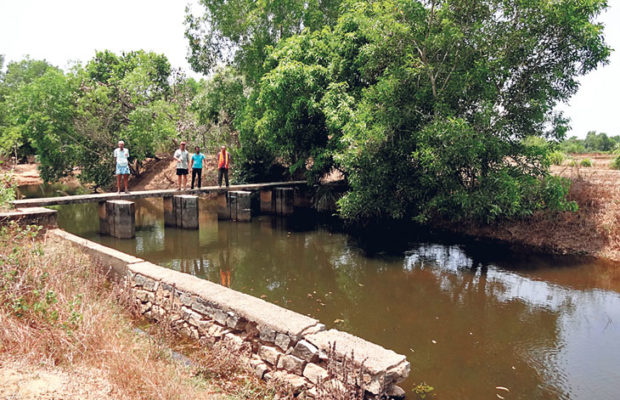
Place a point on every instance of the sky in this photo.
(62, 31)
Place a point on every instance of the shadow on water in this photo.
(469, 316)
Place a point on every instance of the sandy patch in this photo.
(25, 382)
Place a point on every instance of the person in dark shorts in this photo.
(196, 166)
(223, 162)
(182, 157)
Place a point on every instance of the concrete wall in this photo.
(285, 345)
(31, 216)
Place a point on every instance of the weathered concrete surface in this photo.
(382, 368)
(285, 201)
(181, 211)
(89, 198)
(112, 260)
(240, 205)
(223, 207)
(31, 216)
(170, 217)
(267, 202)
(186, 210)
(117, 218)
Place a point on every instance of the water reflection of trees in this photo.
(491, 326)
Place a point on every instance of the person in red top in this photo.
(223, 162)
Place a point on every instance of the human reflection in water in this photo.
(225, 264)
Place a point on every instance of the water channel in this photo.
(469, 318)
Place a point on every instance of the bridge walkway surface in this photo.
(102, 197)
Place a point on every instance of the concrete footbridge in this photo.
(99, 197)
(181, 207)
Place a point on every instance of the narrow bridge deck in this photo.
(88, 198)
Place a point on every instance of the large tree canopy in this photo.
(424, 105)
(242, 31)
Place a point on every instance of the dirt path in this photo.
(161, 174)
(19, 381)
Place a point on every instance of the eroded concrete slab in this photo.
(375, 358)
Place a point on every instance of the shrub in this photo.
(586, 162)
(615, 164)
(557, 157)
(7, 190)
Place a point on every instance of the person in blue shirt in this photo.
(196, 165)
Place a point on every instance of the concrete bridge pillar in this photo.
(117, 218)
(240, 203)
(284, 201)
(267, 202)
(223, 206)
(181, 211)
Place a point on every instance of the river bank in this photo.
(62, 322)
(593, 231)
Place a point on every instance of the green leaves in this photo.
(424, 106)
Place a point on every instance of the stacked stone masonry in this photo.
(286, 345)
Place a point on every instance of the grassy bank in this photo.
(61, 319)
(594, 230)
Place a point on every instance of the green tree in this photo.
(242, 31)
(572, 145)
(598, 142)
(18, 75)
(44, 112)
(122, 98)
(425, 105)
(218, 104)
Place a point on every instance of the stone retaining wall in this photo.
(285, 345)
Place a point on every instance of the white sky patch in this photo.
(62, 31)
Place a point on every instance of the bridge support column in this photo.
(170, 217)
(284, 201)
(223, 206)
(267, 202)
(117, 218)
(240, 203)
(181, 211)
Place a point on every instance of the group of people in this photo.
(185, 163)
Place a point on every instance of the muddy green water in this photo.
(469, 319)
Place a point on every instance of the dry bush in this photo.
(345, 372)
(228, 366)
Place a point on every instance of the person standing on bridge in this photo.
(182, 157)
(223, 162)
(196, 166)
(121, 156)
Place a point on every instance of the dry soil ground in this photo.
(593, 231)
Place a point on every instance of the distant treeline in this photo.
(593, 143)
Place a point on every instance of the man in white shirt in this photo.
(182, 157)
(121, 156)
